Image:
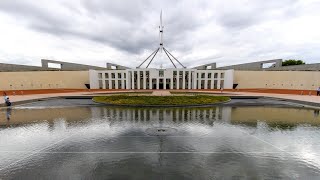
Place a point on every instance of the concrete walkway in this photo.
(304, 98)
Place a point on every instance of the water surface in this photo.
(257, 142)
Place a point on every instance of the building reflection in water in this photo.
(164, 115)
(202, 115)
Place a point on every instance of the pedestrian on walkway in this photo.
(318, 91)
(6, 99)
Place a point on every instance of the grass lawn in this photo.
(160, 100)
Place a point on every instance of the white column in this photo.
(178, 79)
(164, 83)
(138, 81)
(212, 80)
(132, 79)
(122, 81)
(116, 81)
(144, 80)
(194, 77)
(171, 81)
(103, 82)
(150, 81)
(127, 78)
(189, 80)
(219, 79)
(199, 81)
(206, 80)
(157, 83)
(110, 81)
(183, 79)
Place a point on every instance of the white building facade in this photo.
(150, 78)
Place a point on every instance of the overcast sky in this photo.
(126, 31)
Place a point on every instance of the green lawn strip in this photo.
(160, 100)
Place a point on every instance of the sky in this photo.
(125, 32)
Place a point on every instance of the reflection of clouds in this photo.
(301, 144)
(226, 147)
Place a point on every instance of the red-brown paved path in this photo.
(302, 95)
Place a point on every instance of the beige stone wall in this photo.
(44, 80)
(306, 80)
(277, 79)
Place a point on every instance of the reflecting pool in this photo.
(86, 142)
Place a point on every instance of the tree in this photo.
(291, 62)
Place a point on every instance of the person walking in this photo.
(318, 91)
(6, 99)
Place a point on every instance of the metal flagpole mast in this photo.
(161, 32)
(161, 48)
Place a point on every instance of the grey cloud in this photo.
(125, 10)
(131, 26)
(128, 31)
(232, 15)
(31, 13)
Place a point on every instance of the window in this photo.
(119, 84)
(268, 65)
(135, 76)
(113, 84)
(161, 73)
(215, 84)
(107, 84)
(106, 75)
(113, 75)
(186, 75)
(100, 83)
(124, 75)
(202, 75)
(215, 75)
(119, 75)
(100, 75)
(222, 75)
(209, 75)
